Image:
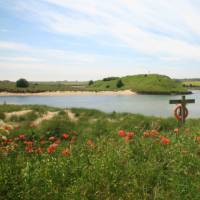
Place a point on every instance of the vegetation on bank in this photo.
(191, 84)
(149, 84)
(93, 155)
(35, 87)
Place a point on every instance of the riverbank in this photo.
(72, 93)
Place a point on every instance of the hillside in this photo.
(149, 84)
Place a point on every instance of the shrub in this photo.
(22, 83)
(110, 78)
(119, 83)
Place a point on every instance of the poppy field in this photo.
(51, 153)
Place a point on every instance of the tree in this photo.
(119, 83)
(91, 82)
(23, 83)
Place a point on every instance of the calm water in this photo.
(157, 105)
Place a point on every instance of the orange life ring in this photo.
(177, 112)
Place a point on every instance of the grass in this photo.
(151, 84)
(35, 87)
(191, 83)
(97, 163)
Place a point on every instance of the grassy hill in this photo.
(151, 84)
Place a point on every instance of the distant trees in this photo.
(22, 83)
(119, 83)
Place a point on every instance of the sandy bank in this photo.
(71, 93)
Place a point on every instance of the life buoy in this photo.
(177, 112)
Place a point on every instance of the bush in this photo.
(22, 83)
(120, 83)
(110, 78)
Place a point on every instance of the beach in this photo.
(72, 93)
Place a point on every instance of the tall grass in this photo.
(101, 164)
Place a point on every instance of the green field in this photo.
(191, 83)
(153, 83)
(87, 154)
(35, 87)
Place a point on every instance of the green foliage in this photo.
(22, 83)
(119, 83)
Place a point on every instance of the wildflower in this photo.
(39, 150)
(52, 138)
(29, 149)
(154, 133)
(122, 133)
(66, 152)
(28, 143)
(130, 134)
(146, 134)
(198, 139)
(52, 148)
(7, 128)
(176, 130)
(90, 143)
(164, 140)
(21, 136)
(65, 135)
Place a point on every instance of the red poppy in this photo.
(66, 152)
(21, 136)
(28, 142)
(165, 140)
(65, 135)
(29, 149)
(52, 148)
(122, 133)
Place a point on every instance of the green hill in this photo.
(143, 83)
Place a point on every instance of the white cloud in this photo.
(151, 27)
(13, 45)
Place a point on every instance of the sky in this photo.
(47, 40)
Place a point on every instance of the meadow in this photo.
(51, 153)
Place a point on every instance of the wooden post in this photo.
(183, 103)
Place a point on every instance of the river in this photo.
(151, 105)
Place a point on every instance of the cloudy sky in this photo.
(92, 39)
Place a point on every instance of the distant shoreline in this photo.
(72, 93)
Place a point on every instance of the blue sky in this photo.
(92, 39)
